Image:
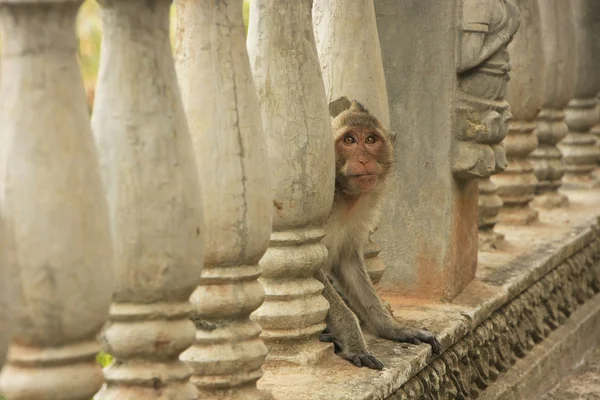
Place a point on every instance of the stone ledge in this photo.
(522, 292)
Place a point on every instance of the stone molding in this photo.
(470, 365)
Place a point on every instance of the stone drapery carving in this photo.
(154, 202)
(472, 364)
(55, 214)
(560, 52)
(295, 117)
(517, 184)
(350, 57)
(483, 114)
(232, 161)
(487, 28)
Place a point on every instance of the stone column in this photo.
(517, 184)
(558, 45)
(155, 208)
(233, 165)
(350, 57)
(55, 214)
(447, 107)
(579, 148)
(296, 121)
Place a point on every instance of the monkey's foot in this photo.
(365, 359)
(414, 336)
(361, 358)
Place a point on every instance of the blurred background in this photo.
(89, 28)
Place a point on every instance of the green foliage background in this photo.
(89, 29)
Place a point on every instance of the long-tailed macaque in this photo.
(363, 161)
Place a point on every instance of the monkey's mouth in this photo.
(363, 181)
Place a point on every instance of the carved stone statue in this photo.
(483, 114)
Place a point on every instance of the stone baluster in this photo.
(596, 132)
(517, 184)
(55, 213)
(350, 57)
(296, 121)
(233, 166)
(558, 44)
(6, 285)
(579, 148)
(155, 208)
(451, 121)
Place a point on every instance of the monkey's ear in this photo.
(393, 135)
(338, 106)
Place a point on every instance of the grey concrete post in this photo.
(154, 202)
(296, 121)
(517, 184)
(350, 57)
(560, 56)
(54, 210)
(446, 105)
(231, 155)
(579, 147)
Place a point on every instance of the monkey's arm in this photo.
(364, 300)
(344, 329)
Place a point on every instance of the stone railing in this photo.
(179, 230)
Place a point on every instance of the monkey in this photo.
(364, 156)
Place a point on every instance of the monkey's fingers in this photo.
(366, 360)
(428, 337)
(435, 345)
(326, 337)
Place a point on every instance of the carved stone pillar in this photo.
(517, 184)
(53, 206)
(579, 148)
(558, 44)
(350, 57)
(154, 203)
(483, 113)
(296, 121)
(450, 127)
(233, 166)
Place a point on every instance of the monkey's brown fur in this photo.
(364, 157)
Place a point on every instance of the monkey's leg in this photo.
(344, 330)
(364, 300)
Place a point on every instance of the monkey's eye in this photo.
(349, 140)
(370, 139)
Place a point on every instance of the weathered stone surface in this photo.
(295, 117)
(583, 384)
(154, 202)
(53, 210)
(517, 184)
(431, 214)
(560, 56)
(227, 137)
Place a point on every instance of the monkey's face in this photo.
(363, 157)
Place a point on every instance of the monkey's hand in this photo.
(414, 336)
(356, 353)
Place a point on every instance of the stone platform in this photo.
(534, 301)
